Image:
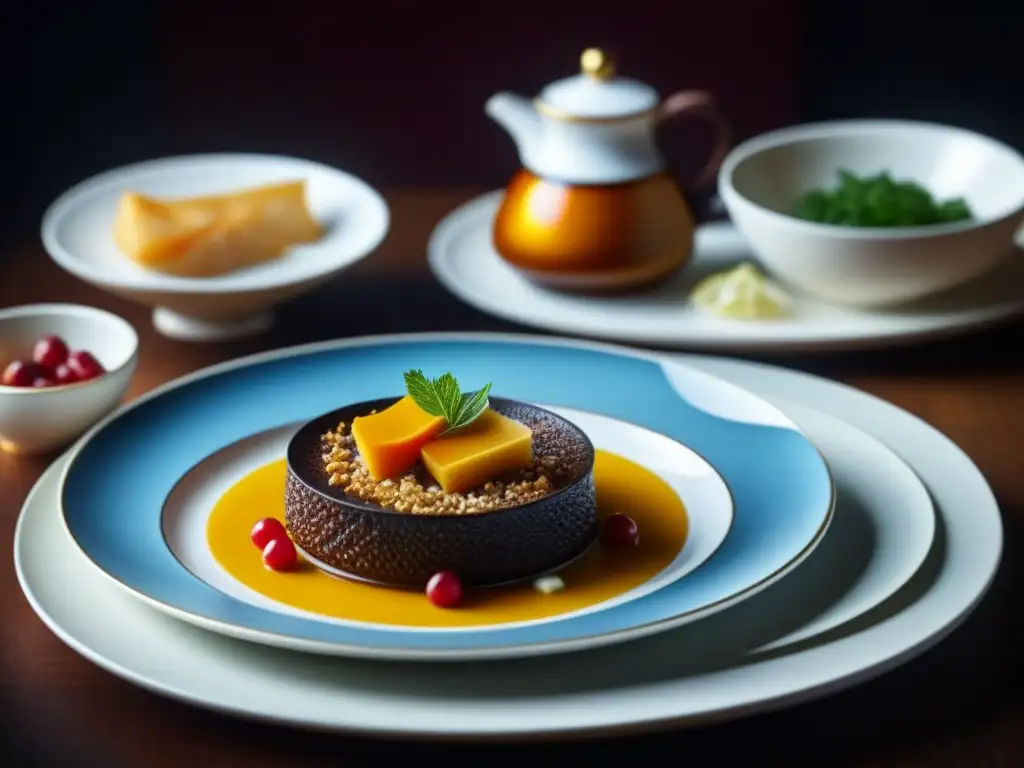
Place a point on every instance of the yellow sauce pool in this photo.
(601, 574)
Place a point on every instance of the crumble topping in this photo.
(416, 493)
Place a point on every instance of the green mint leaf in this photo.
(423, 393)
(471, 407)
(447, 389)
(442, 397)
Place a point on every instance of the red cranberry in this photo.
(444, 589)
(620, 531)
(21, 373)
(42, 383)
(63, 374)
(266, 530)
(85, 366)
(279, 554)
(50, 351)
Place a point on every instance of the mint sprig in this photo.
(442, 397)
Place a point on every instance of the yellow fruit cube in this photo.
(390, 441)
(469, 457)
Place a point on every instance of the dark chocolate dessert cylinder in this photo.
(366, 542)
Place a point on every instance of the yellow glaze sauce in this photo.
(601, 574)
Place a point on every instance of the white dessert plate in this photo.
(702, 490)
(726, 666)
(77, 232)
(462, 256)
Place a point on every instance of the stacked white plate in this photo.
(833, 536)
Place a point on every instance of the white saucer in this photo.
(725, 666)
(463, 258)
(77, 233)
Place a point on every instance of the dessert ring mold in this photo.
(355, 539)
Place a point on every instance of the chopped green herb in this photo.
(878, 201)
(442, 397)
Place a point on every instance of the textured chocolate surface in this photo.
(400, 549)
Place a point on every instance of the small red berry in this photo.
(63, 374)
(279, 554)
(266, 530)
(620, 531)
(21, 373)
(42, 383)
(444, 589)
(50, 351)
(85, 366)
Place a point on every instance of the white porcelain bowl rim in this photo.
(186, 285)
(797, 133)
(71, 310)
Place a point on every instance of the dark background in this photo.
(393, 90)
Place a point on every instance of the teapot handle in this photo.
(701, 104)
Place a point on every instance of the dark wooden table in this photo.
(961, 704)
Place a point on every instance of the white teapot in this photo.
(594, 206)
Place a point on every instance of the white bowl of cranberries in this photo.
(64, 367)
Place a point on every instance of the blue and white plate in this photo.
(121, 477)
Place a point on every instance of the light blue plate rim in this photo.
(112, 490)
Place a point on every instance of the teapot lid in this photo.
(597, 93)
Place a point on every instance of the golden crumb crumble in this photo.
(415, 494)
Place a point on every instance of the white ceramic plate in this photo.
(77, 233)
(698, 485)
(463, 258)
(716, 669)
(883, 532)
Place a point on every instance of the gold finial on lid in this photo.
(595, 63)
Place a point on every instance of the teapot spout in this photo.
(517, 116)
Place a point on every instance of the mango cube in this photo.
(467, 458)
(390, 441)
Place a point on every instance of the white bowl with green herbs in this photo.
(875, 212)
